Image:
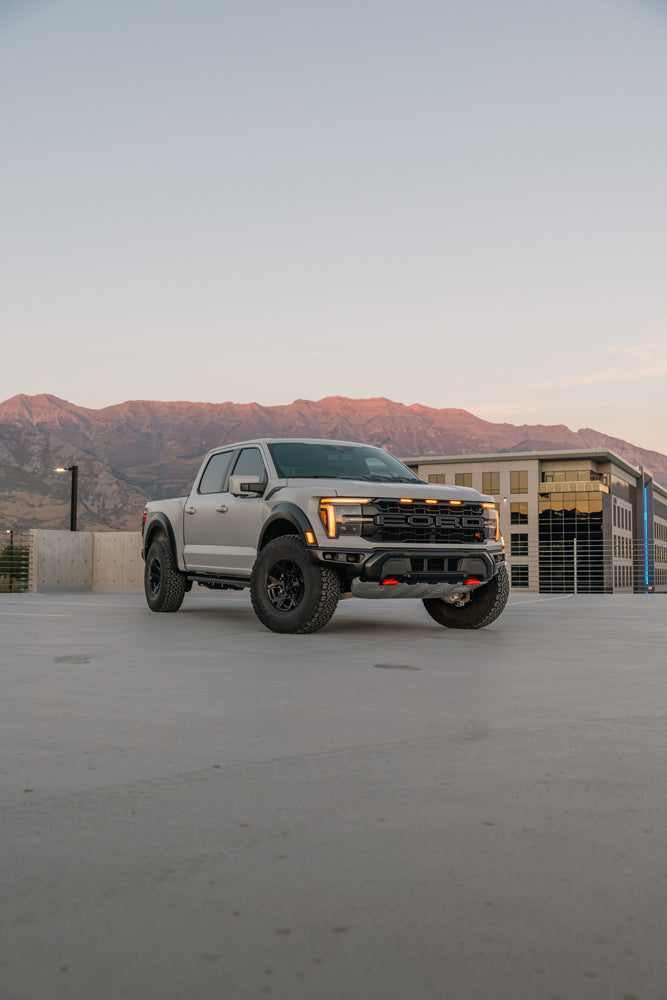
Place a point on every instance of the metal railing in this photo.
(580, 565)
(574, 566)
(15, 561)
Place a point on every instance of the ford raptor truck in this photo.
(303, 523)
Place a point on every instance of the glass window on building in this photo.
(518, 513)
(519, 544)
(573, 476)
(491, 482)
(519, 482)
(436, 477)
(463, 478)
(571, 549)
(519, 576)
(622, 517)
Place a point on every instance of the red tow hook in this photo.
(389, 581)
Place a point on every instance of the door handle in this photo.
(190, 510)
(222, 509)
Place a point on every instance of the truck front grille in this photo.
(423, 524)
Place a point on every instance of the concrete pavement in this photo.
(194, 807)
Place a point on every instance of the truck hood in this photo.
(363, 488)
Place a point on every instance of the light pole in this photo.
(74, 469)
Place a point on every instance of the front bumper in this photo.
(413, 572)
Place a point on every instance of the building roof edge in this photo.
(508, 456)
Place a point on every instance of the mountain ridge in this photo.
(137, 449)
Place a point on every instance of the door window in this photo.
(215, 473)
(250, 463)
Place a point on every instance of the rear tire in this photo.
(289, 593)
(484, 606)
(164, 586)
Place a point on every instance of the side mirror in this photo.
(242, 486)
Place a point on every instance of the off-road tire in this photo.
(484, 606)
(289, 593)
(164, 586)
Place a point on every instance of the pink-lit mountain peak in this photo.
(151, 448)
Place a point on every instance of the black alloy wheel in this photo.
(164, 585)
(154, 577)
(289, 592)
(285, 586)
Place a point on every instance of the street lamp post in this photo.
(74, 469)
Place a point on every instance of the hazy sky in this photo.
(451, 202)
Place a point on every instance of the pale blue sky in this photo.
(451, 202)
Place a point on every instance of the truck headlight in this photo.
(491, 522)
(342, 516)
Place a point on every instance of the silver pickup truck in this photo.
(304, 522)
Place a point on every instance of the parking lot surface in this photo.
(194, 807)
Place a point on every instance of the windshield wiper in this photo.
(389, 479)
(366, 479)
(379, 479)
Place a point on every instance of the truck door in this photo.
(221, 530)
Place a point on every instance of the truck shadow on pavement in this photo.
(408, 622)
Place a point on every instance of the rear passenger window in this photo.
(215, 473)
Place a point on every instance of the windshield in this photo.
(297, 460)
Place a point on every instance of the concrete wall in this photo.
(96, 561)
(117, 562)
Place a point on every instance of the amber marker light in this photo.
(328, 516)
(431, 501)
(310, 537)
(345, 500)
(456, 503)
(405, 500)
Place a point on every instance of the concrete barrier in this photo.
(80, 561)
(117, 562)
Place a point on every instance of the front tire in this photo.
(484, 606)
(289, 593)
(164, 586)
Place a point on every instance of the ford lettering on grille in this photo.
(422, 524)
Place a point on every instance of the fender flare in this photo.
(160, 522)
(286, 512)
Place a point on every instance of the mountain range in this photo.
(134, 451)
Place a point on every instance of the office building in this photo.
(573, 521)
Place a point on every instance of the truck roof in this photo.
(295, 440)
